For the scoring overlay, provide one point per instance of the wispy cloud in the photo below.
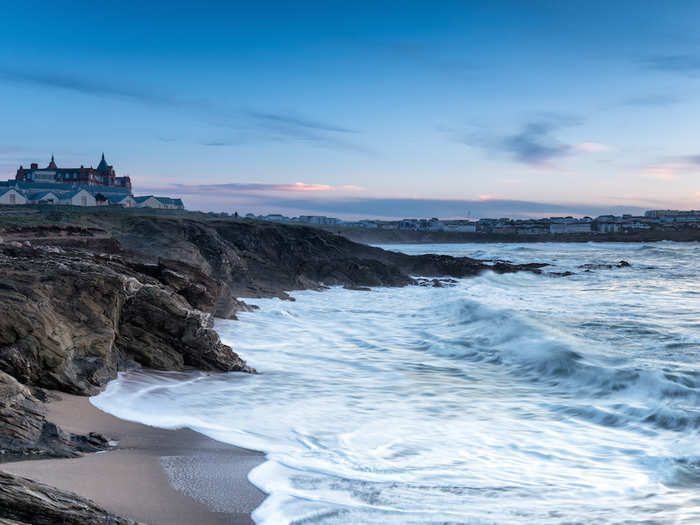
(652, 100)
(279, 120)
(235, 187)
(534, 143)
(402, 207)
(670, 168)
(245, 125)
(685, 64)
(590, 147)
(666, 171)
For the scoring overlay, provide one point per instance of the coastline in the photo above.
(130, 480)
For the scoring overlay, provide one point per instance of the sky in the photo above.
(364, 109)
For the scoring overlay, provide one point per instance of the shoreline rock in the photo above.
(26, 434)
(23, 501)
(70, 319)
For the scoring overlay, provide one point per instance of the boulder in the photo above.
(25, 501)
(25, 432)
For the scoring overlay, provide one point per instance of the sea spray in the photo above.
(504, 399)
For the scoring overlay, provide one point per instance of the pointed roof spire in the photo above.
(102, 166)
(52, 164)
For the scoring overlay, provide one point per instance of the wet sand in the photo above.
(131, 480)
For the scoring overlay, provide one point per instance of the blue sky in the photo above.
(364, 109)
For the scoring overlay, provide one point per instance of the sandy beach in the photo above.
(131, 479)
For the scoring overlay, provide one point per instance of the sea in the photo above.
(502, 399)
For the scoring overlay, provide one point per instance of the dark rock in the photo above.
(70, 320)
(182, 337)
(25, 432)
(561, 274)
(264, 259)
(27, 502)
(594, 266)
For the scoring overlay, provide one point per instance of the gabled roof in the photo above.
(143, 198)
(41, 195)
(3, 191)
(164, 200)
(168, 200)
(71, 194)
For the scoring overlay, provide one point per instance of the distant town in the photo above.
(651, 220)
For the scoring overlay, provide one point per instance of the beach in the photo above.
(131, 479)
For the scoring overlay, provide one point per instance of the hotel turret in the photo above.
(103, 175)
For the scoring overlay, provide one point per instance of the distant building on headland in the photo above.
(103, 175)
(77, 187)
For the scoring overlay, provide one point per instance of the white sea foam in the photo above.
(512, 399)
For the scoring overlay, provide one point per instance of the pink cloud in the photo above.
(242, 187)
(302, 186)
(666, 171)
(590, 147)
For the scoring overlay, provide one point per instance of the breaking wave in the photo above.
(512, 399)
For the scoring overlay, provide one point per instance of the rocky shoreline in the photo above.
(79, 303)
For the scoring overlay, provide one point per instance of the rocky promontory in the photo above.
(71, 318)
(264, 259)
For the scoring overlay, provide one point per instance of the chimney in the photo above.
(35, 166)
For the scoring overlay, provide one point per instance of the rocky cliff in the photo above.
(71, 318)
(262, 259)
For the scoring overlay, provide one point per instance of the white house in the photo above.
(44, 197)
(461, 227)
(125, 201)
(79, 197)
(148, 201)
(163, 203)
(169, 203)
(276, 217)
(11, 196)
(570, 227)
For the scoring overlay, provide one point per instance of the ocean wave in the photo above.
(535, 353)
(504, 399)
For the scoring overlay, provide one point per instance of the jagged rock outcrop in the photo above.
(23, 501)
(25, 432)
(70, 318)
(264, 259)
